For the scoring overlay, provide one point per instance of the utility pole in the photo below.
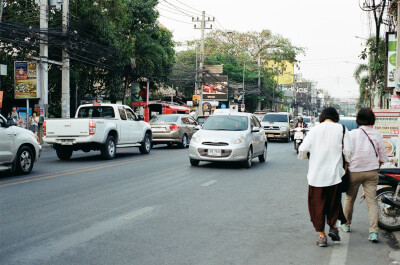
(1, 9)
(44, 54)
(397, 51)
(244, 71)
(201, 76)
(65, 89)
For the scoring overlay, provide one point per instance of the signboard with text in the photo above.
(391, 62)
(25, 76)
(387, 123)
(215, 87)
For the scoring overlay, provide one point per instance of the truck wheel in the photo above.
(109, 149)
(64, 153)
(24, 160)
(146, 145)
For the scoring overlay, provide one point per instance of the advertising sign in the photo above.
(286, 71)
(139, 95)
(215, 87)
(391, 64)
(388, 125)
(25, 80)
(1, 99)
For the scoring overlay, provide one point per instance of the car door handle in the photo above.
(11, 134)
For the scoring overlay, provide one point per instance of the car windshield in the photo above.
(276, 117)
(96, 112)
(164, 119)
(201, 120)
(226, 123)
(307, 119)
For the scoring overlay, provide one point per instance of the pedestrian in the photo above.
(14, 116)
(33, 123)
(325, 171)
(369, 154)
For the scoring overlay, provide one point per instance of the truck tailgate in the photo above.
(67, 127)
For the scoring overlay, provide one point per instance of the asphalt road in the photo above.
(157, 209)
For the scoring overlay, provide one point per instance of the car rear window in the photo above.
(164, 118)
(349, 124)
(307, 120)
(276, 117)
(226, 123)
(96, 112)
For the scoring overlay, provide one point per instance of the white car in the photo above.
(19, 148)
(103, 127)
(235, 136)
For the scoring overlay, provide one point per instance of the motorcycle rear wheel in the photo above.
(388, 216)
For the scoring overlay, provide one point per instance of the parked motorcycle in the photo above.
(388, 198)
(299, 134)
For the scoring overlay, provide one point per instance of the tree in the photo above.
(110, 43)
(233, 50)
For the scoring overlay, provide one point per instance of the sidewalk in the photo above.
(394, 254)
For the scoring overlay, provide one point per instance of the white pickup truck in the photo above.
(103, 127)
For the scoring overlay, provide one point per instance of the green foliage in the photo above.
(372, 74)
(233, 50)
(110, 43)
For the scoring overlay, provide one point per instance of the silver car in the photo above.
(19, 148)
(232, 136)
(173, 129)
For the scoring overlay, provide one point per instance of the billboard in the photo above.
(286, 71)
(25, 80)
(215, 87)
(139, 95)
(387, 123)
(391, 62)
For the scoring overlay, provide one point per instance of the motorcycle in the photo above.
(299, 134)
(388, 198)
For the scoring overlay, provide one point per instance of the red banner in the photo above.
(1, 99)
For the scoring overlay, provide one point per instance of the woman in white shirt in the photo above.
(325, 171)
(369, 153)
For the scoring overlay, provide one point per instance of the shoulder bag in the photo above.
(346, 176)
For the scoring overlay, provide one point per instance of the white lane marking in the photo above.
(54, 247)
(339, 252)
(208, 183)
(137, 213)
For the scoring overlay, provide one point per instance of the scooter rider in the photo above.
(300, 124)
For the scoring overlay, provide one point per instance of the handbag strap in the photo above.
(370, 141)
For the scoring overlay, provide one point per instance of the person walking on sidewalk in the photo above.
(369, 154)
(325, 171)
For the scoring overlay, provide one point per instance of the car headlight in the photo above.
(195, 139)
(240, 139)
(283, 128)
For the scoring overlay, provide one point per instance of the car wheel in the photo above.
(146, 145)
(109, 149)
(263, 156)
(64, 153)
(24, 160)
(249, 160)
(194, 163)
(184, 142)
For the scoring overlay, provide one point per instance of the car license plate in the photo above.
(298, 135)
(158, 129)
(66, 142)
(271, 135)
(214, 152)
